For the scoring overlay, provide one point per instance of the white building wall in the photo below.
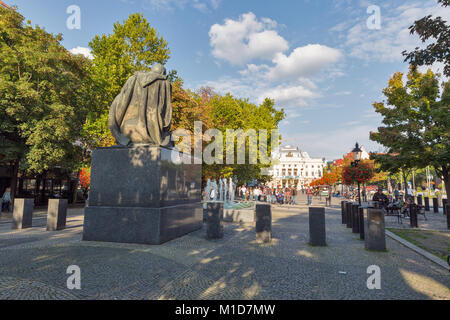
(295, 168)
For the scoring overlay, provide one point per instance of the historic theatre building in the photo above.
(295, 168)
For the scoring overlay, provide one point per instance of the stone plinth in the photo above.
(23, 213)
(140, 195)
(317, 233)
(448, 215)
(374, 233)
(362, 212)
(214, 217)
(427, 204)
(355, 217)
(435, 205)
(413, 215)
(343, 212)
(56, 214)
(263, 217)
(348, 214)
(419, 200)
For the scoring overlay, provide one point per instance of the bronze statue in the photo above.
(142, 112)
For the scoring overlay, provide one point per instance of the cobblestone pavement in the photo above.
(34, 262)
(434, 221)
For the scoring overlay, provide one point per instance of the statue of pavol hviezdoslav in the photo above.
(142, 112)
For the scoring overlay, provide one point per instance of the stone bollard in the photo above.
(435, 205)
(56, 214)
(349, 214)
(419, 199)
(355, 217)
(343, 212)
(374, 233)
(317, 233)
(444, 203)
(214, 217)
(447, 208)
(427, 204)
(23, 213)
(361, 222)
(263, 222)
(413, 215)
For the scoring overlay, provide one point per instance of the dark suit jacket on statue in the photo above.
(142, 112)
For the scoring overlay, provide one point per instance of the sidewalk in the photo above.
(34, 264)
(40, 213)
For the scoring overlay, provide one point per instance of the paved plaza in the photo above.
(34, 262)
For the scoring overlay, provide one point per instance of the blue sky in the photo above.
(319, 60)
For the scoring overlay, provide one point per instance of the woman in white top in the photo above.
(6, 199)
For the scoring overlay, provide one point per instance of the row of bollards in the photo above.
(263, 223)
(56, 214)
(367, 222)
(214, 221)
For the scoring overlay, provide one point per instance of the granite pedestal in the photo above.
(419, 200)
(448, 216)
(348, 206)
(23, 213)
(435, 205)
(317, 232)
(427, 204)
(56, 214)
(263, 217)
(343, 212)
(413, 215)
(362, 212)
(140, 195)
(355, 218)
(374, 233)
(214, 218)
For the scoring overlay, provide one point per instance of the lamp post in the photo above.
(357, 152)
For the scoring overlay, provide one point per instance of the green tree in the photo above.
(132, 46)
(41, 98)
(416, 122)
(431, 28)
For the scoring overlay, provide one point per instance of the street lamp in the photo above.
(357, 152)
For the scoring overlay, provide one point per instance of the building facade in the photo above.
(295, 168)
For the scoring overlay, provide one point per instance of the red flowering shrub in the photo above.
(362, 173)
(85, 178)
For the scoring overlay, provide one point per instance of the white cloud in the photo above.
(388, 43)
(82, 50)
(289, 95)
(286, 78)
(303, 61)
(240, 41)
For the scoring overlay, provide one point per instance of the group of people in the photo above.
(267, 194)
(6, 200)
(274, 195)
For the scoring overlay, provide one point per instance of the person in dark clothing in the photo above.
(381, 198)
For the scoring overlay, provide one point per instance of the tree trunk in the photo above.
(405, 181)
(445, 175)
(15, 176)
